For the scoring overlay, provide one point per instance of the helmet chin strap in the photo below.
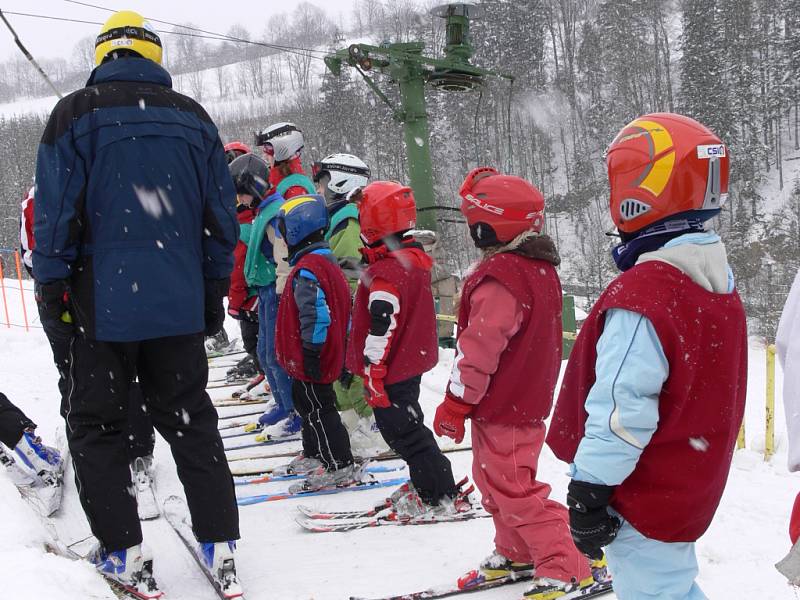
(686, 223)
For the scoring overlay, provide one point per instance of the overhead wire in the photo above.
(221, 36)
(69, 20)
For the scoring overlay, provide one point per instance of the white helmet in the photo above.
(346, 172)
(283, 141)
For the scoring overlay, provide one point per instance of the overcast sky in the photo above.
(49, 39)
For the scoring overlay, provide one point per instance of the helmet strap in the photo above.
(655, 236)
(311, 242)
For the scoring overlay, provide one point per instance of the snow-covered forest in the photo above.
(583, 69)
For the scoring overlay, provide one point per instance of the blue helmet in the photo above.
(301, 217)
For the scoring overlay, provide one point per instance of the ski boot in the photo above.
(218, 559)
(142, 471)
(244, 369)
(255, 386)
(599, 567)
(547, 588)
(289, 426)
(366, 439)
(273, 416)
(321, 478)
(129, 569)
(45, 467)
(497, 566)
(407, 504)
(299, 465)
(19, 476)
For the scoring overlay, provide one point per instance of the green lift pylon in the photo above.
(406, 65)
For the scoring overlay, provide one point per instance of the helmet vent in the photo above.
(630, 208)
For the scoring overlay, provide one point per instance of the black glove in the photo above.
(346, 379)
(311, 366)
(215, 291)
(589, 522)
(54, 311)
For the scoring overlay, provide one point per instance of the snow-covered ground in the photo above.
(278, 560)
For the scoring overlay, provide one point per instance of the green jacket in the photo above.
(259, 269)
(346, 242)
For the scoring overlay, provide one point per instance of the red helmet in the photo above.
(665, 164)
(500, 207)
(384, 208)
(234, 150)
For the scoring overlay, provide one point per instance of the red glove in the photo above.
(450, 417)
(375, 394)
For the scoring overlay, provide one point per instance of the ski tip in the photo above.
(310, 526)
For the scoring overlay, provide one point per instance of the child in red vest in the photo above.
(509, 333)
(654, 392)
(393, 342)
(313, 316)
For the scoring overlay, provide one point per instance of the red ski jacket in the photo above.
(240, 297)
(409, 346)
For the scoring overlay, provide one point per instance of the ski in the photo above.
(241, 434)
(238, 416)
(227, 379)
(388, 518)
(356, 487)
(314, 514)
(268, 442)
(231, 401)
(474, 581)
(268, 477)
(177, 515)
(121, 591)
(383, 510)
(214, 354)
(379, 457)
(224, 383)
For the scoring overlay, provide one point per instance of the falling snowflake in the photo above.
(700, 444)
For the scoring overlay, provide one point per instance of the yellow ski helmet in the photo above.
(127, 30)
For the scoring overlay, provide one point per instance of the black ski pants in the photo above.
(250, 340)
(403, 428)
(141, 435)
(172, 373)
(12, 422)
(324, 435)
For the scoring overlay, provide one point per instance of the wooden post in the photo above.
(569, 325)
(769, 443)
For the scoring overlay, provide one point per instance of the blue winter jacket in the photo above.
(135, 206)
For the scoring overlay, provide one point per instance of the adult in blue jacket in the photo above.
(135, 227)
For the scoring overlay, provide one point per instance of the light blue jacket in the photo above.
(623, 403)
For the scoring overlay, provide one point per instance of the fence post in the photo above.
(568, 325)
(21, 290)
(3, 288)
(740, 443)
(769, 443)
